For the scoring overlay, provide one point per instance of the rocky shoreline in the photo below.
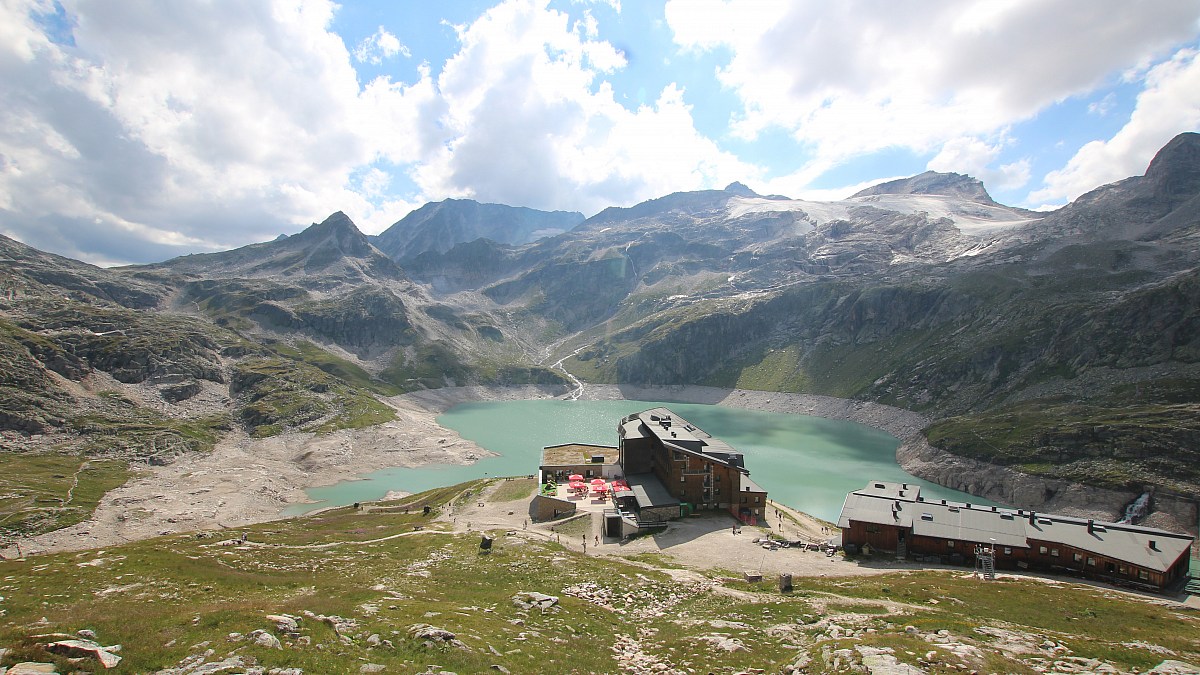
(244, 480)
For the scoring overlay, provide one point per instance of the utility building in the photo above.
(894, 517)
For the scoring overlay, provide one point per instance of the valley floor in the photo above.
(246, 480)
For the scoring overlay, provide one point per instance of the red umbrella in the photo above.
(576, 485)
(597, 481)
(575, 476)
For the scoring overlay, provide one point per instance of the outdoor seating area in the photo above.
(595, 491)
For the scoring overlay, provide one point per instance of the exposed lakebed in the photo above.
(808, 463)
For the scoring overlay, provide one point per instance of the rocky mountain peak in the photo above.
(1175, 170)
(740, 190)
(338, 231)
(933, 183)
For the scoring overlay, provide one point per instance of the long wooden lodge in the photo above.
(894, 517)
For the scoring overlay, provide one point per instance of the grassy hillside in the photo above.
(363, 586)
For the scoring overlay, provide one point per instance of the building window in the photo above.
(1122, 570)
(718, 478)
(1007, 550)
(1092, 562)
(1143, 574)
(717, 491)
(949, 543)
(682, 479)
(1054, 552)
(756, 500)
(1078, 557)
(1043, 550)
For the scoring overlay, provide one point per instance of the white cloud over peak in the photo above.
(854, 77)
(974, 157)
(1169, 104)
(164, 128)
(528, 119)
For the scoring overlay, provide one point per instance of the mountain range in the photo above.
(1063, 344)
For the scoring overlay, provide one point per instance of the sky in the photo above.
(139, 130)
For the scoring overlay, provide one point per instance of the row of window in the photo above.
(1091, 562)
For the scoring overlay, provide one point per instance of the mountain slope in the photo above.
(922, 293)
(439, 226)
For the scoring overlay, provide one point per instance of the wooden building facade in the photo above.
(694, 467)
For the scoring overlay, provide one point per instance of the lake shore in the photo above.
(245, 480)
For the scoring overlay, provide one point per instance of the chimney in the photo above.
(1153, 545)
(968, 505)
(994, 509)
(1032, 517)
(1091, 526)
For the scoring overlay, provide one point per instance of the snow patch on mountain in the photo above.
(972, 219)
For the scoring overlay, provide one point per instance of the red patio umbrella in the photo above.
(577, 485)
(597, 481)
(574, 477)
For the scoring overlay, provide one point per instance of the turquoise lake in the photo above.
(808, 463)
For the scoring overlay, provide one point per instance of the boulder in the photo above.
(84, 648)
(264, 639)
(533, 599)
(433, 635)
(1168, 667)
(33, 668)
(284, 623)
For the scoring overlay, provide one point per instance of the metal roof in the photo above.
(872, 509)
(747, 484)
(648, 490)
(678, 434)
(881, 503)
(976, 524)
(1112, 540)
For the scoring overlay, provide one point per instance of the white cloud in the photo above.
(1169, 104)
(974, 157)
(614, 4)
(1104, 105)
(528, 119)
(382, 45)
(854, 77)
(167, 128)
(175, 127)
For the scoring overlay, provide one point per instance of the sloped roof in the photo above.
(868, 508)
(1113, 540)
(679, 434)
(882, 503)
(975, 524)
